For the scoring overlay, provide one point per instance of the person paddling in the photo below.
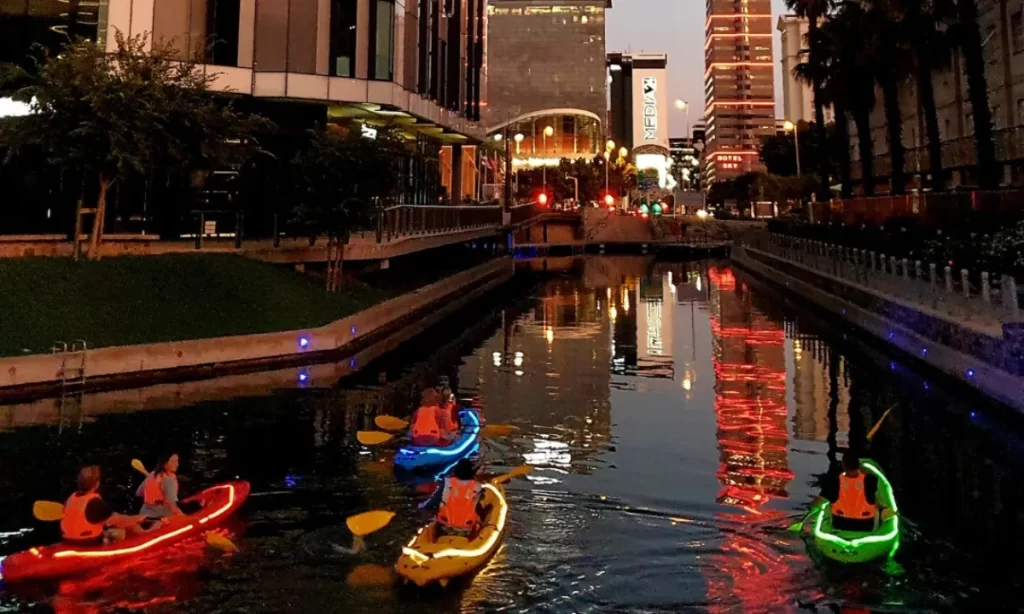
(426, 430)
(851, 493)
(88, 520)
(457, 500)
(448, 416)
(159, 491)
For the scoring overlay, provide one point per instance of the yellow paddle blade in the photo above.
(368, 522)
(878, 425)
(499, 430)
(373, 438)
(220, 542)
(47, 511)
(518, 471)
(138, 466)
(390, 423)
(370, 575)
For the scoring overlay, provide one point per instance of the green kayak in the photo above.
(855, 546)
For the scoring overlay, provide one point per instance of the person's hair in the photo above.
(161, 461)
(429, 398)
(446, 394)
(464, 470)
(88, 478)
(851, 461)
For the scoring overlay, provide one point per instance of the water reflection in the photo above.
(679, 415)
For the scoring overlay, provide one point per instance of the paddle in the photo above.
(214, 540)
(390, 423)
(47, 511)
(499, 430)
(373, 438)
(362, 525)
(508, 477)
(796, 527)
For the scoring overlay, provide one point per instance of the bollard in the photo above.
(1009, 291)
(883, 261)
(965, 281)
(873, 267)
(984, 287)
(917, 270)
(931, 273)
(906, 270)
(949, 279)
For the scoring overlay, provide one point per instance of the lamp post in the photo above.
(796, 140)
(548, 131)
(518, 139)
(607, 160)
(576, 189)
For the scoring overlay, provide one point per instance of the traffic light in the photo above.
(644, 209)
(609, 201)
(657, 208)
(543, 199)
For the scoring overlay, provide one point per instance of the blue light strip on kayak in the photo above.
(468, 439)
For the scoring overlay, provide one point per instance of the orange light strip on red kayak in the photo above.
(152, 542)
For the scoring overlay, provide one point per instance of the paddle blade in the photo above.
(878, 425)
(373, 438)
(368, 522)
(796, 527)
(220, 542)
(138, 466)
(518, 471)
(370, 575)
(499, 430)
(47, 511)
(390, 423)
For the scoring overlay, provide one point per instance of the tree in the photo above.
(968, 35)
(338, 181)
(891, 66)
(778, 152)
(815, 11)
(110, 115)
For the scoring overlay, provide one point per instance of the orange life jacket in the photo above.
(446, 418)
(74, 524)
(853, 502)
(458, 504)
(152, 491)
(425, 423)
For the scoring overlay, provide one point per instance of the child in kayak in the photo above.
(159, 491)
(852, 495)
(457, 500)
(426, 429)
(88, 520)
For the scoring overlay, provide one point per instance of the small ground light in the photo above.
(974, 414)
(353, 329)
(891, 335)
(924, 351)
(303, 376)
(970, 373)
(303, 342)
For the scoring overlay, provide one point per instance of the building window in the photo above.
(222, 17)
(343, 38)
(383, 40)
(1017, 29)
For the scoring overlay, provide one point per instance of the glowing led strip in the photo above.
(152, 542)
(867, 539)
(499, 527)
(468, 440)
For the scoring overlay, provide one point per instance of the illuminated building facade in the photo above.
(638, 112)
(545, 73)
(738, 85)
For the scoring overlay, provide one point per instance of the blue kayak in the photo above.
(417, 458)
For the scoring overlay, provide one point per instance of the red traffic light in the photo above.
(609, 200)
(543, 198)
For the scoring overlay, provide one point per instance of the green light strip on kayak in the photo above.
(867, 539)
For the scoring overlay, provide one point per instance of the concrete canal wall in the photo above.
(42, 373)
(980, 351)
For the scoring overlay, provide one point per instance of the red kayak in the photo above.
(63, 560)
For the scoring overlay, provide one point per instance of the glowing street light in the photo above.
(610, 144)
(497, 137)
(789, 126)
(623, 152)
(548, 131)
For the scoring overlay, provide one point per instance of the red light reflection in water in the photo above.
(750, 405)
(162, 576)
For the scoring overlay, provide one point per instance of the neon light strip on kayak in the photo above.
(153, 542)
(466, 552)
(468, 439)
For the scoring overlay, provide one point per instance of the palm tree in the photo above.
(931, 46)
(892, 66)
(815, 11)
(969, 37)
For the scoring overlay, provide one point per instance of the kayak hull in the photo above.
(855, 546)
(427, 559)
(63, 560)
(440, 458)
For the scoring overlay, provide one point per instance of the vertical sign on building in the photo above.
(650, 105)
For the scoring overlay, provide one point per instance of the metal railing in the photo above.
(411, 220)
(989, 302)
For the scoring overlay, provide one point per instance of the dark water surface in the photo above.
(679, 416)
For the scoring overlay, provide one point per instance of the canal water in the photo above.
(679, 416)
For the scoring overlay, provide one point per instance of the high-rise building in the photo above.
(638, 112)
(546, 70)
(797, 95)
(739, 86)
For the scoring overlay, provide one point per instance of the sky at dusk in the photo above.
(675, 27)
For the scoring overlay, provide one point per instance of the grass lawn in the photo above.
(128, 300)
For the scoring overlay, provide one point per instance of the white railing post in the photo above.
(965, 281)
(1009, 291)
(906, 270)
(984, 287)
(949, 279)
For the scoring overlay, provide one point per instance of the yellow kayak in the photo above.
(427, 558)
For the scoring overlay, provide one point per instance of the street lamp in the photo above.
(548, 131)
(610, 144)
(682, 105)
(790, 126)
(576, 188)
(623, 152)
(518, 138)
(607, 158)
